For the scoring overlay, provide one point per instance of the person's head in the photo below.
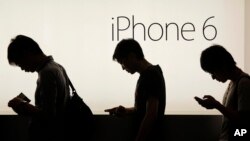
(22, 51)
(128, 52)
(217, 61)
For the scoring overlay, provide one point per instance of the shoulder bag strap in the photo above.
(70, 83)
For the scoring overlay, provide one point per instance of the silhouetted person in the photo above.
(51, 93)
(235, 107)
(150, 95)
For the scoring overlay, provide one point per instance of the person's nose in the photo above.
(212, 76)
(123, 68)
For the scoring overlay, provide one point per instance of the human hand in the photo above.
(117, 111)
(208, 102)
(15, 102)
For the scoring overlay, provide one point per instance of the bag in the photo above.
(79, 118)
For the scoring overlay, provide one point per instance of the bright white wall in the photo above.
(78, 33)
(247, 36)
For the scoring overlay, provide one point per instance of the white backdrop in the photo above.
(81, 35)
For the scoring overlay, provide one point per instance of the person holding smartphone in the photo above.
(52, 91)
(150, 93)
(235, 108)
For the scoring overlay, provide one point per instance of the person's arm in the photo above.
(243, 89)
(210, 103)
(48, 92)
(120, 111)
(130, 110)
(243, 100)
(148, 120)
(23, 108)
(229, 113)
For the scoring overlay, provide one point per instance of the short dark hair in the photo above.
(126, 46)
(20, 46)
(215, 57)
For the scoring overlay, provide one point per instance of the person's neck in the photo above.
(235, 74)
(40, 59)
(143, 65)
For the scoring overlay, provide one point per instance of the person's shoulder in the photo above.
(153, 71)
(153, 68)
(245, 77)
(51, 67)
(244, 80)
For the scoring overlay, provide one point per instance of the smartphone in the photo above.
(199, 100)
(23, 97)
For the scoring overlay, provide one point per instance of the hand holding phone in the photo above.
(116, 111)
(208, 102)
(199, 100)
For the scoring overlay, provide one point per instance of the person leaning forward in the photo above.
(235, 107)
(150, 93)
(51, 93)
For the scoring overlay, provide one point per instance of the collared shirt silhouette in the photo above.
(52, 91)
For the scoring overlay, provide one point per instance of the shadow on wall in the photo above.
(108, 128)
